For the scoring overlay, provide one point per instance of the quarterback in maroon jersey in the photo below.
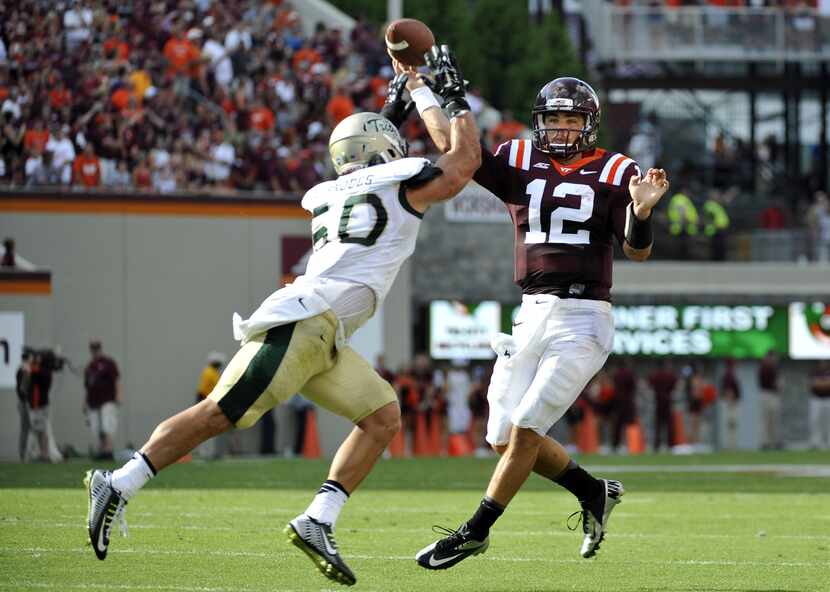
(568, 201)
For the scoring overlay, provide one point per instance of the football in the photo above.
(407, 40)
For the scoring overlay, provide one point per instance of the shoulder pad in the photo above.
(397, 170)
(616, 167)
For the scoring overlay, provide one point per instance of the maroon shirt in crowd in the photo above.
(768, 375)
(100, 379)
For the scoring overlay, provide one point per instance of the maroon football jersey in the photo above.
(565, 216)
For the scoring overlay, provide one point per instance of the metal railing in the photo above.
(706, 33)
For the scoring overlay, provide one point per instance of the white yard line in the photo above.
(271, 556)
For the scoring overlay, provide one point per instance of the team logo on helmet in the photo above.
(364, 139)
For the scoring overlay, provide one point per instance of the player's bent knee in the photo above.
(384, 423)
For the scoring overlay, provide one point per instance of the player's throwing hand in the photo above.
(647, 190)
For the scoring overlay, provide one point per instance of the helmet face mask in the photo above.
(365, 139)
(568, 95)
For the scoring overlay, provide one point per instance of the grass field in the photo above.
(685, 524)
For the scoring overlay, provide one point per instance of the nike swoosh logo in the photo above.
(301, 303)
(517, 324)
(438, 562)
(587, 172)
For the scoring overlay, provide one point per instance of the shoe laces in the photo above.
(581, 517)
(452, 538)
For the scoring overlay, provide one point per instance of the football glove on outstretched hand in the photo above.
(448, 83)
(396, 109)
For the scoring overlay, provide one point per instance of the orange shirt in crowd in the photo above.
(378, 86)
(116, 48)
(262, 119)
(182, 55)
(35, 139)
(87, 171)
(120, 98)
(305, 56)
(339, 107)
(60, 98)
(141, 82)
(506, 130)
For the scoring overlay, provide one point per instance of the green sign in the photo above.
(700, 330)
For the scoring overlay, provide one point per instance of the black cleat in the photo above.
(595, 516)
(457, 546)
(105, 507)
(316, 540)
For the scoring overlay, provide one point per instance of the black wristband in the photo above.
(638, 233)
(456, 106)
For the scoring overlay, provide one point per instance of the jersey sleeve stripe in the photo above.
(514, 148)
(620, 169)
(526, 150)
(520, 154)
(606, 170)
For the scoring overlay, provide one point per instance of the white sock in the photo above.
(133, 475)
(327, 503)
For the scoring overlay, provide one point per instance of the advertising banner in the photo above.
(11, 347)
(462, 331)
(809, 331)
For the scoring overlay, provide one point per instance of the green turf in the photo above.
(216, 527)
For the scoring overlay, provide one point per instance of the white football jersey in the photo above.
(361, 227)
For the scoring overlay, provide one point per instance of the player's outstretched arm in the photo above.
(645, 192)
(457, 166)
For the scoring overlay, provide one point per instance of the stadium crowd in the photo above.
(168, 96)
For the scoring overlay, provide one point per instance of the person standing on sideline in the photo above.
(731, 396)
(568, 200)
(208, 380)
(663, 381)
(301, 407)
(364, 226)
(624, 403)
(23, 386)
(820, 406)
(770, 401)
(103, 396)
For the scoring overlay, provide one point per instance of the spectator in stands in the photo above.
(818, 227)
(86, 170)
(716, 224)
(731, 396)
(683, 221)
(43, 172)
(339, 107)
(103, 396)
(506, 130)
(663, 381)
(773, 217)
(820, 406)
(770, 398)
(63, 152)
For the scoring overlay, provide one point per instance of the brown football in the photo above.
(407, 40)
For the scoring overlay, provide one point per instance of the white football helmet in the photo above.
(365, 139)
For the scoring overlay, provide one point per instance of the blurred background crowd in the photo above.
(210, 97)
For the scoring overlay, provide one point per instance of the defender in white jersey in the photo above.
(364, 225)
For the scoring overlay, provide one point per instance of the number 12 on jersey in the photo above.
(556, 234)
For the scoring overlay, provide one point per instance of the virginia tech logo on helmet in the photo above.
(560, 103)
